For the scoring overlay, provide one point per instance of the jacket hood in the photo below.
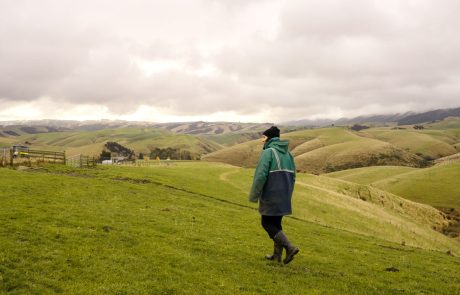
(278, 144)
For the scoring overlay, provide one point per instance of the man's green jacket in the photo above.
(274, 179)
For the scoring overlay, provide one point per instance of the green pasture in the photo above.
(138, 139)
(324, 150)
(437, 186)
(448, 123)
(368, 175)
(417, 142)
(187, 228)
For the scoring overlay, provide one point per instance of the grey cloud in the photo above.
(325, 56)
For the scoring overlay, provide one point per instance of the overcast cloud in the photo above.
(226, 60)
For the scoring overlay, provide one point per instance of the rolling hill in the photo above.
(141, 140)
(408, 118)
(422, 143)
(85, 137)
(324, 150)
(368, 175)
(436, 186)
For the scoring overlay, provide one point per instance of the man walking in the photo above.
(273, 186)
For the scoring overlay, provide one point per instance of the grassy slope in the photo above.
(323, 150)
(367, 175)
(6, 142)
(92, 234)
(424, 143)
(448, 123)
(138, 139)
(437, 186)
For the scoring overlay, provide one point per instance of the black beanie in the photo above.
(272, 132)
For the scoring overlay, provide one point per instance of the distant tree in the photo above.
(358, 127)
(171, 153)
(105, 155)
(419, 127)
(141, 156)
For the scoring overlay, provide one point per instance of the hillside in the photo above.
(448, 123)
(436, 186)
(141, 140)
(155, 230)
(427, 144)
(368, 175)
(211, 135)
(323, 150)
(430, 116)
(408, 118)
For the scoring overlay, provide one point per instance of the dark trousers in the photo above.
(272, 225)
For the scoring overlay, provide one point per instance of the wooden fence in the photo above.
(81, 161)
(30, 157)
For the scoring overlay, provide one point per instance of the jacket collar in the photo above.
(267, 143)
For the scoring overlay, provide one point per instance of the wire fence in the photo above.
(81, 161)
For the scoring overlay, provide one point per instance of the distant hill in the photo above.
(324, 150)
(213, 128)
(222, 133)
(429, 116)
(331, 149)
(408, 118)
(140, 140)
(193, 128)
(372, 119)
(67, 125)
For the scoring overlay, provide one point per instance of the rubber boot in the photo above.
(277, 253)
(291, 250)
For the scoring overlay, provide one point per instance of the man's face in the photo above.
(264, 138)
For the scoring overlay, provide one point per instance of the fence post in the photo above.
(11, 157)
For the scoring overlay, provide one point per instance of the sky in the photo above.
(234, 60)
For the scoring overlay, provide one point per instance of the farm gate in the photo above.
(29, 157)
(81, 161)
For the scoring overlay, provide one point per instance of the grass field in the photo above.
(187, 228)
